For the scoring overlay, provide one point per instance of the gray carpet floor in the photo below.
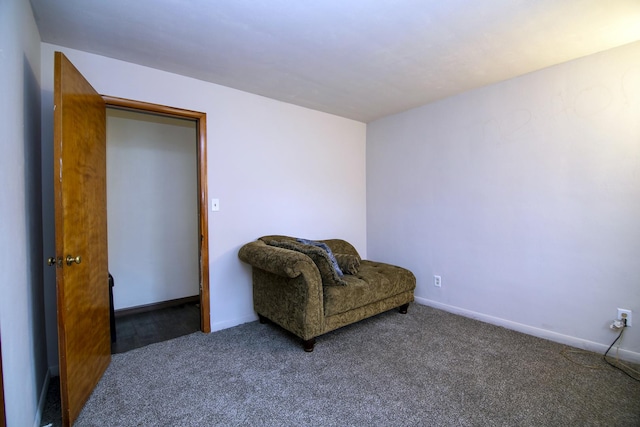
(425, 368)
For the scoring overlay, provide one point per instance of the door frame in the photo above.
(201, 135)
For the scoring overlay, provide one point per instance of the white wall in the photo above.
(524, 196)
(152, 207)
(21, 264)
(276, 168)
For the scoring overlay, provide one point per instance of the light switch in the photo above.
(215, 205)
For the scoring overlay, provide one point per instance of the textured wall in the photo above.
(276, 168)
(21, 259)
(524, 196)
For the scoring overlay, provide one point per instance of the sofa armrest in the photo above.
(287, 288)
(279, 261)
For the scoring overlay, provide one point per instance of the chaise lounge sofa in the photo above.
(298, 286)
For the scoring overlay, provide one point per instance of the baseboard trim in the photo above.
(627, 355)
(43, 400)
(156, 306)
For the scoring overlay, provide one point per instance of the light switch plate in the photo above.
(215, 205)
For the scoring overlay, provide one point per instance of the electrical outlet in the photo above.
(624, 314)
(437, 281)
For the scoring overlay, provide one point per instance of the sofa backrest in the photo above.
(338, 246)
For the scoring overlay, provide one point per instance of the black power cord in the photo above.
(604, 357)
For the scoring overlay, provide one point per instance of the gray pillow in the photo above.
(319, 256)
(327, 249)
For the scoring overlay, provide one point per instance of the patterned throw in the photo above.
(319, 256)
(327, 249)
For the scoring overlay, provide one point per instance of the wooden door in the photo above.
(82, 280)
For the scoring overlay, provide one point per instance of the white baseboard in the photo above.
(630, 356)
(43, 400)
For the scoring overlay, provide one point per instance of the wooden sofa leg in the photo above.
(308, 345)
(403, 308)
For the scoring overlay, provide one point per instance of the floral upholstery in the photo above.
(288, 288)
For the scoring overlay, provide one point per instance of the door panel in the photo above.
(81, 231)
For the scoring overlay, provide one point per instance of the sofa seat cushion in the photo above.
(374, 281)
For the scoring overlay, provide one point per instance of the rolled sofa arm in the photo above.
(283, 262)
(287, 288)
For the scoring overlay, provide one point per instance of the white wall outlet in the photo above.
(215, 205)
(623, 313)
(437, 281)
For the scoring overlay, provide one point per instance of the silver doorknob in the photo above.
(51, 261)
(71, 260)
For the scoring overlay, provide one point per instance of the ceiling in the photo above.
(360, 59)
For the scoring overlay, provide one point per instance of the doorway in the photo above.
(167, 261)
(82, 296)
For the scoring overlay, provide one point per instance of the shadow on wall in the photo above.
(33, 209)
(48, 229)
